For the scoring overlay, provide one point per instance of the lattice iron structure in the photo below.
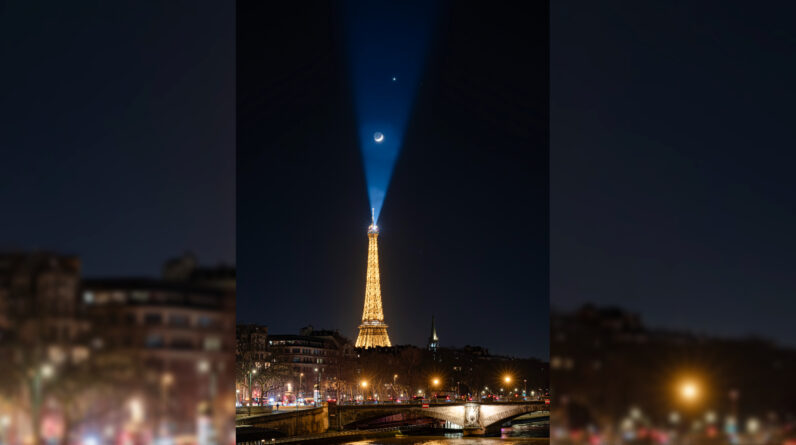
(373, 330)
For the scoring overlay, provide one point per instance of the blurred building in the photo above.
(116, 356)
(179, 327)
(42, 329)
(38, 301)
(609, 369)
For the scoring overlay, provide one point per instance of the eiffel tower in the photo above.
(373, 331)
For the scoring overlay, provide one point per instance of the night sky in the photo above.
(117, 132)
(464, 227)
(672, 184)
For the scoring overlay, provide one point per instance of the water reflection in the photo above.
(453, 441)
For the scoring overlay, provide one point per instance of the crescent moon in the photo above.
(378, 137)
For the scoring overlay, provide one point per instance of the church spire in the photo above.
(433, 340)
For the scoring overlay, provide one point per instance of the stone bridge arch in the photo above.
(471, 415)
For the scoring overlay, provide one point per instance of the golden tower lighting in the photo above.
(373, 330)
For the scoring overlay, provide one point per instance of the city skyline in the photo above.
(464, 225)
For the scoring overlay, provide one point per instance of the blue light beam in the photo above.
(387, 42)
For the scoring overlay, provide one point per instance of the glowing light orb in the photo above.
(689, 391)
(378, 136)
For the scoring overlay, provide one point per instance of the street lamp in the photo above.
(394, 378)
(689, 391)
(363, 384)
(45, 372)
(318, 376)
(298, 391)
(435, 383)
(251, 389)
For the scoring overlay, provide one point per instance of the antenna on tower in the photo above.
(373, 215)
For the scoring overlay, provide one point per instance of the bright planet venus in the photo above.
(378, 136)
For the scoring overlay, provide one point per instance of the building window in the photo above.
(139, 296)
(212, 344)
(206, 321)
(182, 343)
(179, 320)
(154, 341)
(153, 319)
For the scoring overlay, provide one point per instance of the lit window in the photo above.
(212, 344)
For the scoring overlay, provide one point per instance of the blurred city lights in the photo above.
(689, 391)
(47, 370)
(203, 366)
(752, 425)
(136, 410)
(710, 417)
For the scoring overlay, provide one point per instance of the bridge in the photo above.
(472, 417)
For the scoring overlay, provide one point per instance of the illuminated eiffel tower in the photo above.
(373, 331)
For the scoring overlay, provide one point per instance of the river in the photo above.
(519, 433)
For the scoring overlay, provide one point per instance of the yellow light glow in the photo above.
(507, 379)
(436, 382)
(167, 379)
(364, 384)
(689, 391)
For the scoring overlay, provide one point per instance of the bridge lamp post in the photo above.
(364, 385)
(395, 392)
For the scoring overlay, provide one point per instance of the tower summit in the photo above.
(373, 330)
